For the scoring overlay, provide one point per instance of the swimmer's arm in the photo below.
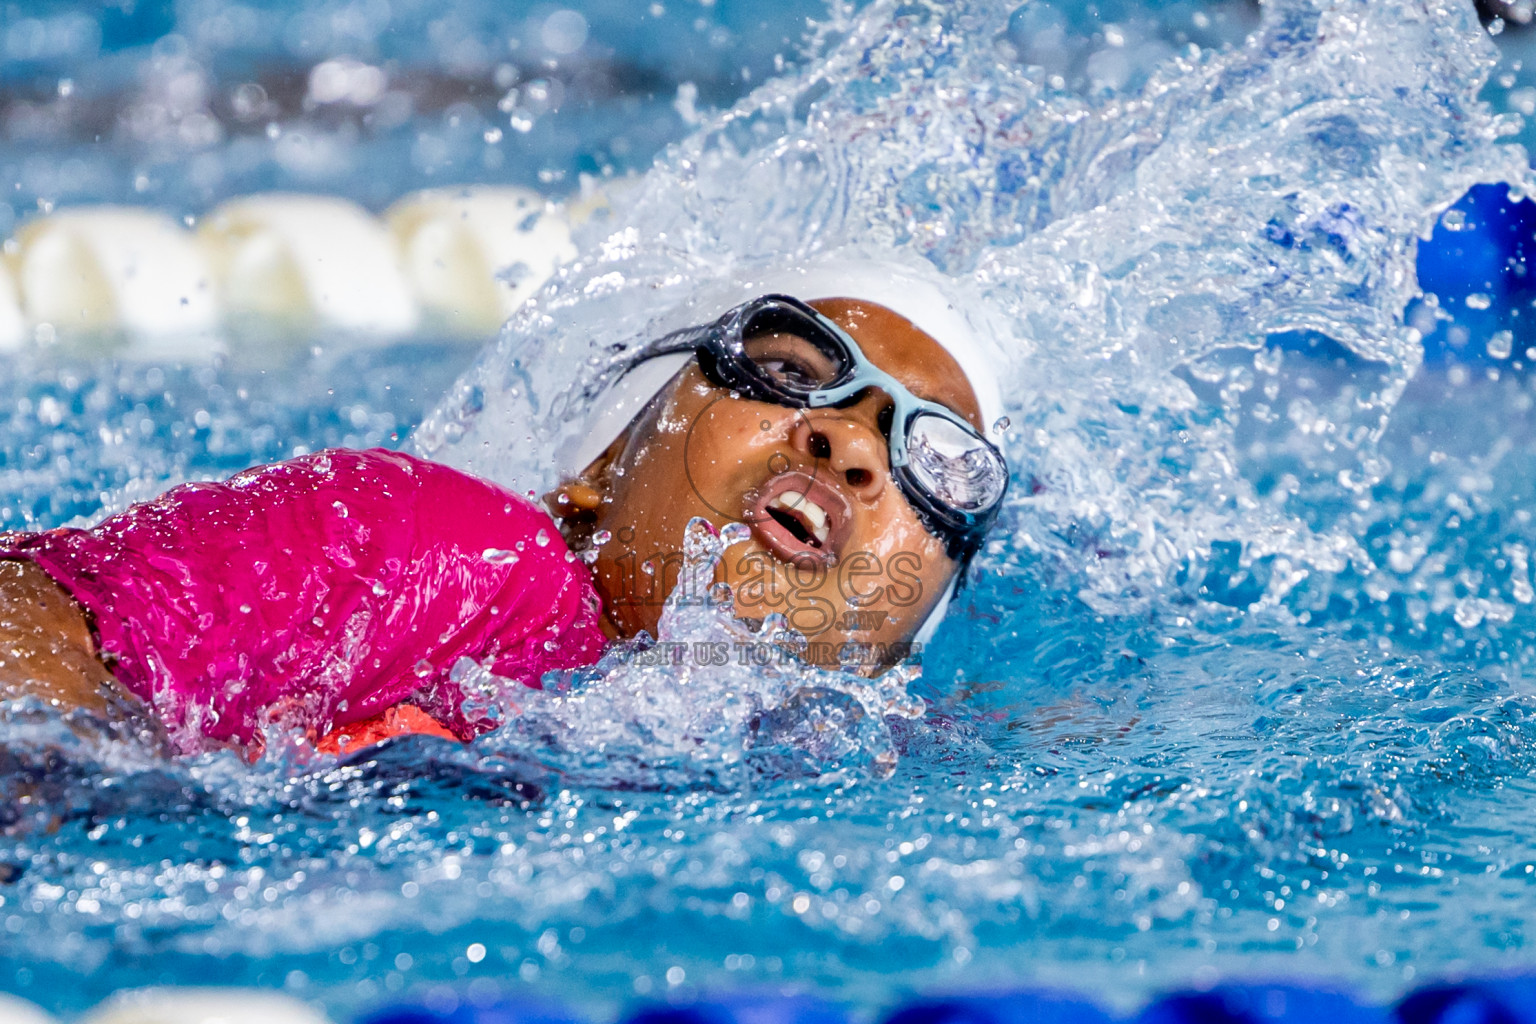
(46, 647)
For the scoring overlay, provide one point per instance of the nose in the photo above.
(850, 449)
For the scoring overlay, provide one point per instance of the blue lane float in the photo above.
(504, 1011)
(1476, 265)
(1479, 283)
(1507, 1000)
(1262, 1004)
(1499, 1001)
(1021, 1007)
(743, 1009)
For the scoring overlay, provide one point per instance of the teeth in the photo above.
(815, 515)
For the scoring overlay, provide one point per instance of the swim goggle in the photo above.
(779, 350)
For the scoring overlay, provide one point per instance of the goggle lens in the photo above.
(793, 353)
(953, 465)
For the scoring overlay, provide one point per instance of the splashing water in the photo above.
(1138, 246)
(709, 694)
(1239, 687)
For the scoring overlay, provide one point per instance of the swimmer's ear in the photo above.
(577, 501)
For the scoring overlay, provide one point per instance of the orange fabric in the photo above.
(400, 720)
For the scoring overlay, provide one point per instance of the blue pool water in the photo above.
(1241, 687)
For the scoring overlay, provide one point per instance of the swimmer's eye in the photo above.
(789, 372)
(887, 417)
(792, 361)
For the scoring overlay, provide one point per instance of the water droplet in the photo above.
(499, 556)
(1002, 424)
(601, 537)
(423, 669)
(378, 588)
(1468, 613)
(1478, 300)
(541, 539)
(1454, 220)
(1501, 344)
(341, 509)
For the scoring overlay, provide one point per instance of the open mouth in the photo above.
(798, 517)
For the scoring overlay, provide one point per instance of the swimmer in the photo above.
(841, 414)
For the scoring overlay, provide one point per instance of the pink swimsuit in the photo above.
(323, 592)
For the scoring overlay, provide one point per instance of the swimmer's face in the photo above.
(835, 546)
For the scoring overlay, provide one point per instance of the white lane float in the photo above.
(14, 1010)
(115, 277)
(203, 1006)
(13, 323)
(296, 266)
(264, 276)
(474, 255)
